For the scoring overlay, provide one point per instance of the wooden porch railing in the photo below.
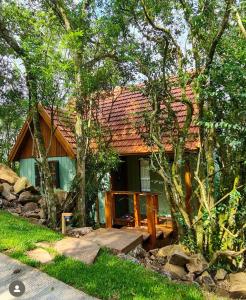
(152, 207)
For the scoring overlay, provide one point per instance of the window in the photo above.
(54, 169)
(144, 175)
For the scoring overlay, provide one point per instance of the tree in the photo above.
(178, 45)
(28, 35)
(91, 39)
(13, 107)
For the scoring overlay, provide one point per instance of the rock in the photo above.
(41, 214)
(31, 215)
(40, 255)
(81, 249)
(30, 188)
(222, 288)
(154, 251)
(20, 184)
(77, 232)
(6, 192)
(189, 277)
(176, 272)
(197, 264)
(128, 257)
(30, 206)
(206, 281)
(237, 285)
(220, 274)
(26, 197)
(179, 258)
(17, 210)
(138, 252)
(8, 175)
(42, 221)
(170, 250)
(6, 203)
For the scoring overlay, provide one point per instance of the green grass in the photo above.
(108, 278)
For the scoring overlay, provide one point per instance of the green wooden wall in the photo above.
(67, 170)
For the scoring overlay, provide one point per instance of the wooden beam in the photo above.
(137, 215)
(151, 220)
(108, 210)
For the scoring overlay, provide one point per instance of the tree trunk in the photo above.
(46, 178)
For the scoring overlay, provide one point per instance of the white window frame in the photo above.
(144, 175)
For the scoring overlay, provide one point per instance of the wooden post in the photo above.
(137, 215)
(151, 220)
(108, 210)
(156, 207)
(63, 221)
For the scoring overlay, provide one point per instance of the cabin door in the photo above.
(119, 183)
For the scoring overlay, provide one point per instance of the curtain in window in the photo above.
(144, 175)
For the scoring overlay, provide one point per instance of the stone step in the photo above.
(117, 240)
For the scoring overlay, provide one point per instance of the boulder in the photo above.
(31, 215)
(42, 214)
(237, 285)
(77, 232)
(20, 184)
(197, 264)
(6, 203)
(30, 206)
(220, 274)
(206, 281)
(138, 252)
(176, 272)
(169, 250)
(8, 175)
(189, 277)
(179, 258)
(6, 192)
(26, 197)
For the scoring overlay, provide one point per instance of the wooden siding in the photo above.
(27, 150)
(67, 170)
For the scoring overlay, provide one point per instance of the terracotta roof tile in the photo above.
(120, 113)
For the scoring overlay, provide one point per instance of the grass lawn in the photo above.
(108, 278)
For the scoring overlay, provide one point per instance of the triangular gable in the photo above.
(26, 130)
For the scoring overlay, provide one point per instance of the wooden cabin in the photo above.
(120, 113)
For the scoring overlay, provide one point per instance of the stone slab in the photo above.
(117, 240)
(83, 250)
(38, 284)
(40, 255)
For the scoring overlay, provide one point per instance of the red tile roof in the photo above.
(120, 113)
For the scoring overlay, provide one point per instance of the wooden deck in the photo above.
(152, 228)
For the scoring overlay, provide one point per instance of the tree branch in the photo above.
(10, 40)
(218, 35)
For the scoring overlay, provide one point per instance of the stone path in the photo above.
(78, 248)
(38, 284)
(117, 240)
